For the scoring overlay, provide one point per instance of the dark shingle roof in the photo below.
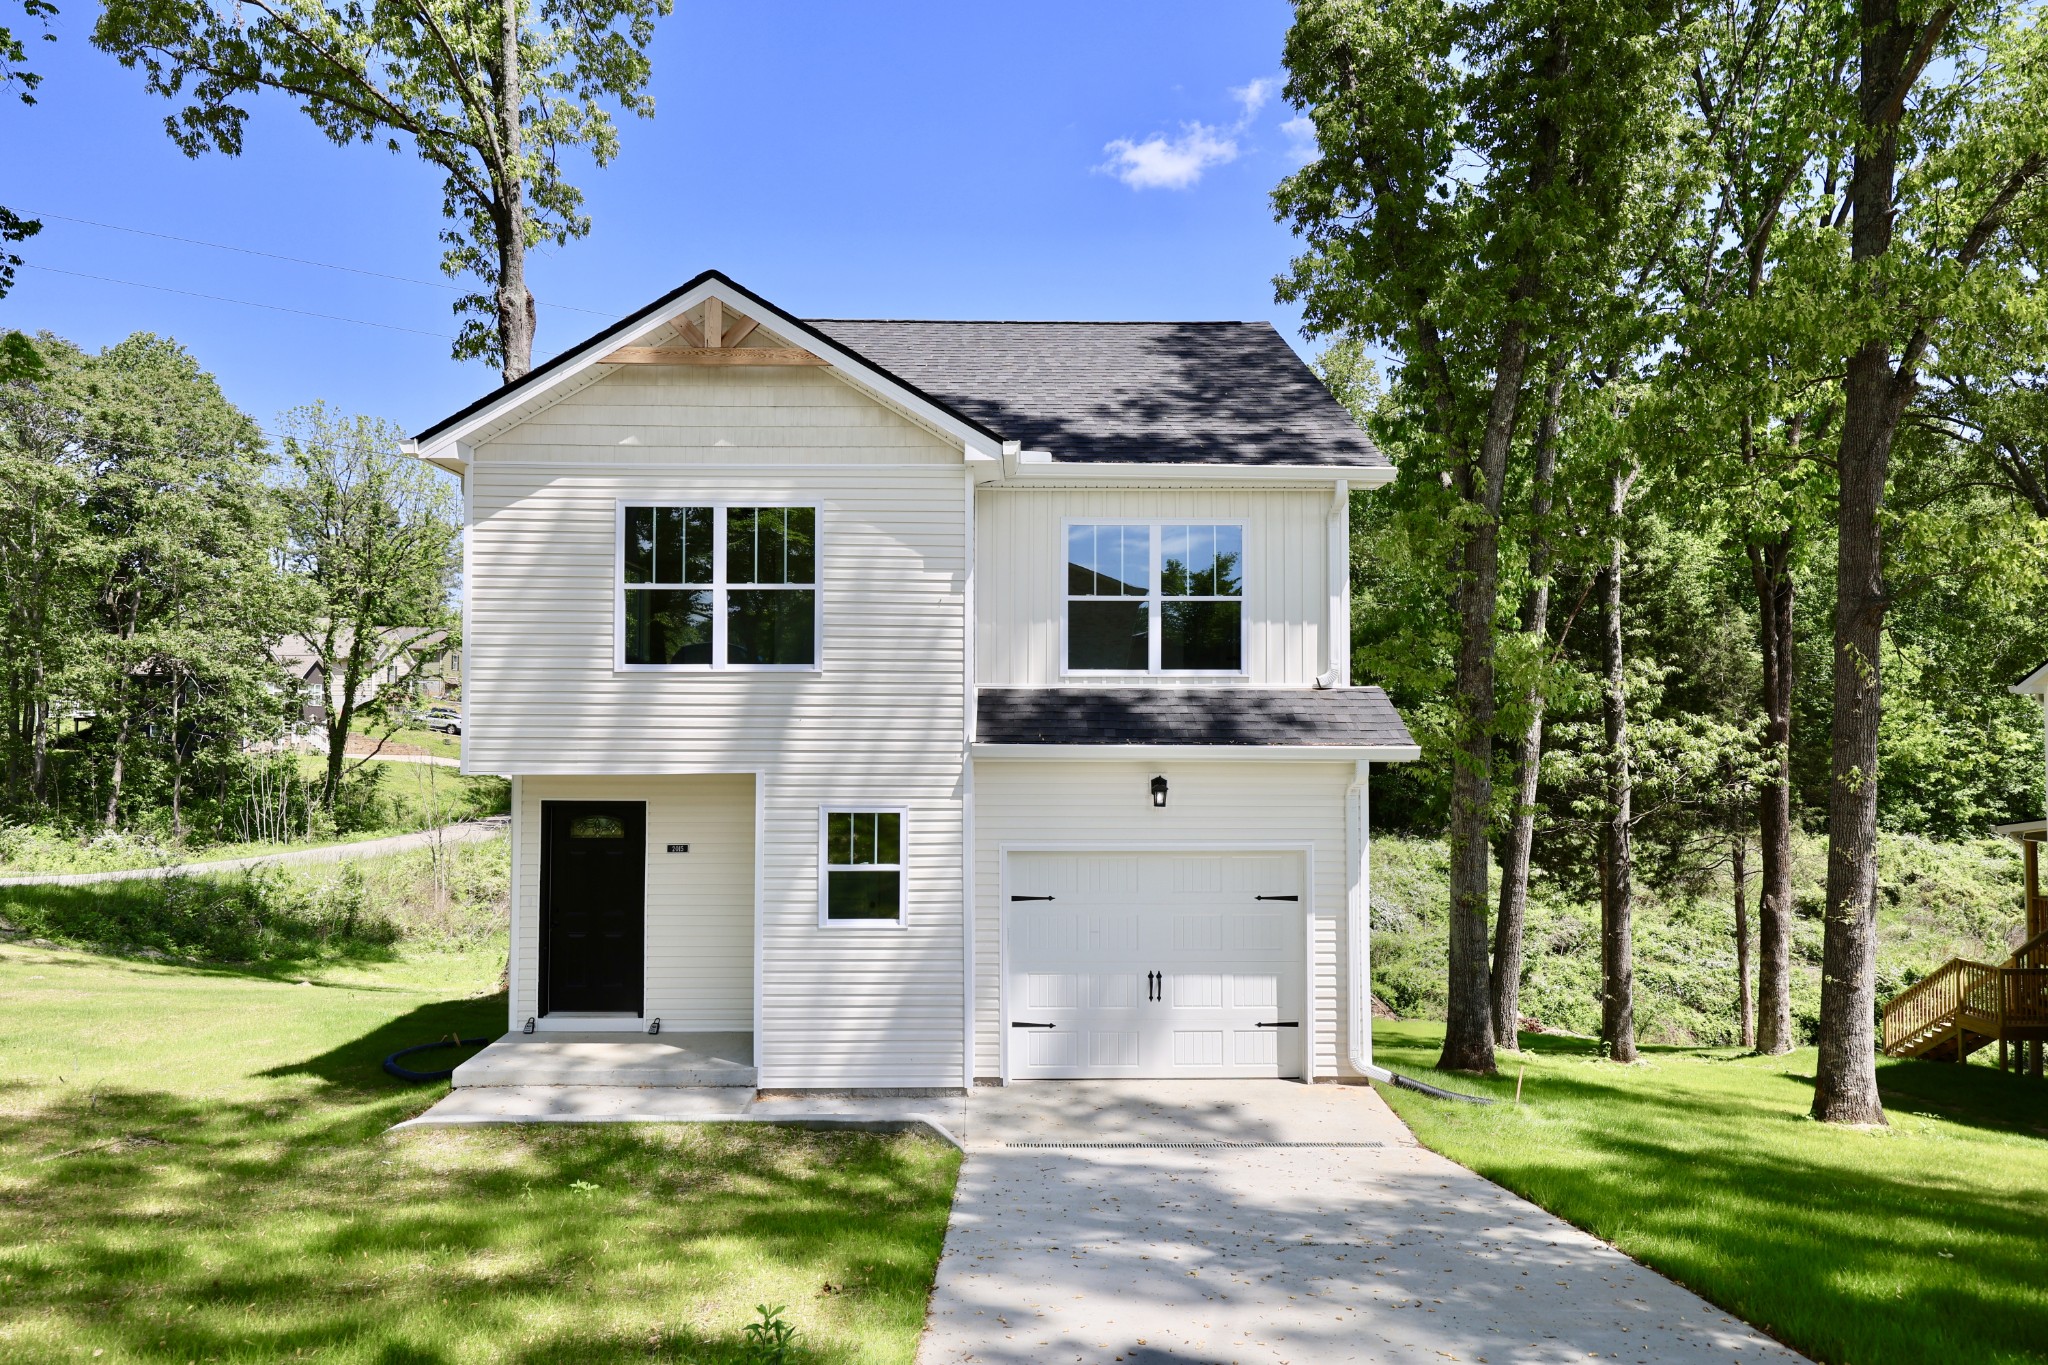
(1137, 392)
(1348, 716)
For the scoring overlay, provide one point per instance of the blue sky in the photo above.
(1047, 160)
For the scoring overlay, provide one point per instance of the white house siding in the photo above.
(700, 904)
(1020, 590)
(1210, 805)
(880, 724)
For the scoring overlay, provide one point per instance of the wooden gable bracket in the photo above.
(722, 348)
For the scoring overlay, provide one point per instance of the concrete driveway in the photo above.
(1110, 1221)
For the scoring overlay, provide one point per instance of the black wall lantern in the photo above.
(1159, 791)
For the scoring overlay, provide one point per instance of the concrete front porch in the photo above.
(666, 1060)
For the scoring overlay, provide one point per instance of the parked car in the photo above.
(446, 719)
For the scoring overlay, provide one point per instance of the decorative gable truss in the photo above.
(714, 337)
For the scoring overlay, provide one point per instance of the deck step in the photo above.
(693, 1060)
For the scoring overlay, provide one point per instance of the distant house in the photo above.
(426, 664)
(927, 702)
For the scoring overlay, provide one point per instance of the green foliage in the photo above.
(444, 898)
(770, 1338)
(434, 75)
(1936, 901)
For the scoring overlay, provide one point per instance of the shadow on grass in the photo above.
(355, 1069)
(164, 1228)
(1878, 1246)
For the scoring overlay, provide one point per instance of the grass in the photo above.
(1920, 1242)
(383, 798)
(194, 1167)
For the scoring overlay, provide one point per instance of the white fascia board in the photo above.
(591, 358)
(2035, 684)
(2019, 829)
(455, 461)
(1027, 469)
(1246, 753)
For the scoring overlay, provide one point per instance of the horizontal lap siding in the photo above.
(1216, 805)
(881, 723)
(1021, 584)
(700, 904)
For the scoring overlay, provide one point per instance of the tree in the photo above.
(1475, 162)
(176, 550)
(18, 356)
(492, 92)
(373, 533)
(1617, 846)
(1944, 199)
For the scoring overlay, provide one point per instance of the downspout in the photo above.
(1358, 924)
(969, 706)
(1337, 626)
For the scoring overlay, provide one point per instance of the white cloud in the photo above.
(1162, 163)
(1253, 97)
(1301, 138)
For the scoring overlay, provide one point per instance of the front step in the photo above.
(615, 1059)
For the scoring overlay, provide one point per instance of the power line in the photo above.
(294, 260)
(245, 303)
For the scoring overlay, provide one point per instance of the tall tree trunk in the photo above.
(1874, 397)
(1770, 569)
(1617, 900)
(118, 773)
(1468, 1018)
(1515, 847)
(1745, 1007)
(515, 304)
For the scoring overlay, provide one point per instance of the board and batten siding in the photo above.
(1212, 805)
(700, 904)
(1021, 553)
(880, 724)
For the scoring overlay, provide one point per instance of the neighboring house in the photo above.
(425, 663)
(938, 702)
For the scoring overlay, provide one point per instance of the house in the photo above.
(412, 655)
(926, 703)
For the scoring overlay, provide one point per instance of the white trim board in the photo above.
(1247, 753)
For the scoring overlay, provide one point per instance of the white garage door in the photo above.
(1155, 964)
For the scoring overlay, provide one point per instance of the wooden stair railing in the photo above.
(1925, 1007)
(1966, 1005)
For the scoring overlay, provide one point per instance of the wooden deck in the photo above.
(1965, 1005)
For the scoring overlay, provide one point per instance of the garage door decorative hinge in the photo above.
(1016, 1024)
(1276, 898)
(1031, 898)
(1287, 1023)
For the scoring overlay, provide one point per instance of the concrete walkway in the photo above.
(1137, 1222)
(463, 833)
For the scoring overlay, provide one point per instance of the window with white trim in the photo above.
(717, 587)
(862, 866)
(1159, 597)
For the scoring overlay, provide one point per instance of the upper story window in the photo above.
(1158, 597)
(717, 587)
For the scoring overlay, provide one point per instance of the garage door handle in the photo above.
(1291, 1023)
(1031, 898)
(1014, 1024)
(1276, 898)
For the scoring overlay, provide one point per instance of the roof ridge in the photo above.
(1063, 322)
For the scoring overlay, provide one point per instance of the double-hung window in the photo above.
(717, 587)
(1161, 597)
(861, 864)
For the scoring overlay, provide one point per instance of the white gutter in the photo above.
(1261, 753)
(1358, 925)
(1029, 466)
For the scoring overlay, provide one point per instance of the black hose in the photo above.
(1424, 1087)
(405, 1073)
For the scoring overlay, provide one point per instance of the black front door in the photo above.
(593, 874)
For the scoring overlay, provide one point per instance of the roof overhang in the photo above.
(2023, 830)
(1238, 753)
(443, 444)
(2035, 684)
(1039, 467)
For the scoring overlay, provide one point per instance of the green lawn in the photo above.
(1923, 1242)
(194, 1167)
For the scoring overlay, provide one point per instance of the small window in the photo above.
(718, 587)
(597, 827)
(863, 866)
(1164, 598)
